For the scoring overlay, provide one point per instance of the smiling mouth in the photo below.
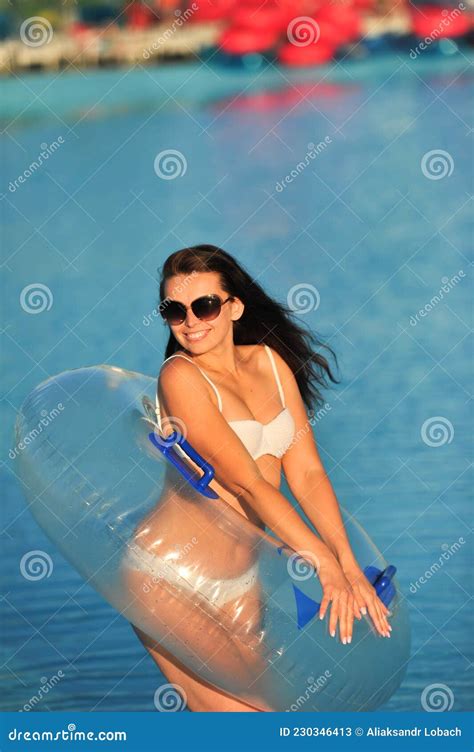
(196, 336)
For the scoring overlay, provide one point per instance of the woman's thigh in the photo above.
(227, 645)
(199, 695)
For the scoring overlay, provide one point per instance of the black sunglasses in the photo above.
(205, 308)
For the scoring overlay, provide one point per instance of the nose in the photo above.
(191, 319)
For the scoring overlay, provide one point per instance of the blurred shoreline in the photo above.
(114, 46)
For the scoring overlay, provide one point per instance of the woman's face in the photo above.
(193, 334)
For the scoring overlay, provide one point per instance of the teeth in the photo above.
(197, 335)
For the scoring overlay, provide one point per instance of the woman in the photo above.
(238, 376)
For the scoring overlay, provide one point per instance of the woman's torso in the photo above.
(253, 396)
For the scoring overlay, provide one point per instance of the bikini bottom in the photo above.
(217, 591)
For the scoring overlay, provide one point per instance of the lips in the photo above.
(197, 336)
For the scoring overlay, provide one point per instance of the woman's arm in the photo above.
(314, 492)
(312, 488)
(306, 475)
(187, 397)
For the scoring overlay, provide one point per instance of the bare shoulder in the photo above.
(253, 356)
(178, 379)
(281, 364)
(257, 359)
(178, 371)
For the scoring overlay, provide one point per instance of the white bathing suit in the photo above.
(216, 591)
(272, 438)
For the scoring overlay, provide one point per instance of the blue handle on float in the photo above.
(166, 447)
(382, 582)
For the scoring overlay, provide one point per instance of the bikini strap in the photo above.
(275, 373)
(179, 355)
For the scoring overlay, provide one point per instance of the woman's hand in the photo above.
(366, 598)
(336, 591)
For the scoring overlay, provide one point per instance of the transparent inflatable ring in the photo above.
(134, 513)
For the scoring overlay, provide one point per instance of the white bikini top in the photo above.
(259, 438)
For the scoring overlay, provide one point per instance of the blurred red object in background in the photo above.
(79, 29)
(329, 34)
(313, 54)
(260, 17)
(434, 21)
(289, 96)
(365, 4)
(138, 15)
(245, 41)
(211, 10)
(345, 22)
(167, 5)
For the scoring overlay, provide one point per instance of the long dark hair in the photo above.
(264, 320)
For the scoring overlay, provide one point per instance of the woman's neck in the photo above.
(222, 359)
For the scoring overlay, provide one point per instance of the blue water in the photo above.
(361, 223)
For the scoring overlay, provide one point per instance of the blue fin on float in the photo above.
(306, 607)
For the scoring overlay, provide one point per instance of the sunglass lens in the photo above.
(207, 307)
(173, 312)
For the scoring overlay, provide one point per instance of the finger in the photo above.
(334, 616)
(355, 607)
(347, 616)
(343, 617)
(374, 615)
(383, 619)
(380, 623)
(384, 608)
(350, 619)
(385, 622)
(360, 600)
(324, 604)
